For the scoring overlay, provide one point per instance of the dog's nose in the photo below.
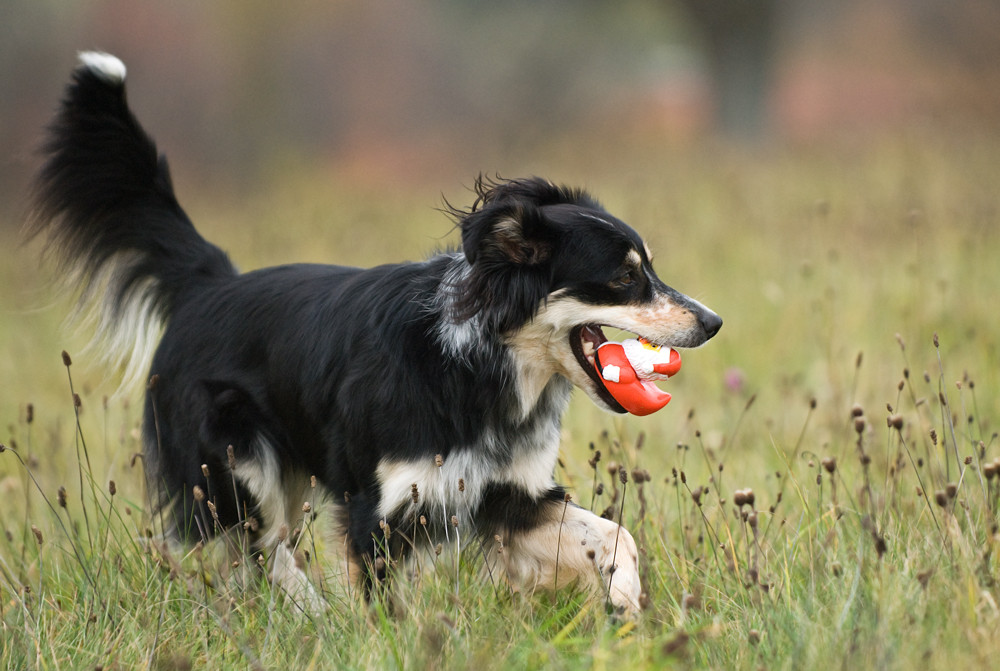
(711, 322)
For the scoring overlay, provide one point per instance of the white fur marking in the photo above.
(529, 559)
(279, 495)
(125, 339)
(455, 337)
(107, 67)
(530, 469)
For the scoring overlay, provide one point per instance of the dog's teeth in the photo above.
(588, 348)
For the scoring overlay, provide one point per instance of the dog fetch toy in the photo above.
(629, 368)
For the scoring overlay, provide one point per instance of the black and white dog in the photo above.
(429, 389)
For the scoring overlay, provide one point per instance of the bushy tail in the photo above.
(105, 201)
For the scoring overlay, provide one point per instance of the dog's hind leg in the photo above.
(280, 498)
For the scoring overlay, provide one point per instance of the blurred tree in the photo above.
(739, 39)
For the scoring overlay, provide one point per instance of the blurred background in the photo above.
(433, 91)
(822, 174)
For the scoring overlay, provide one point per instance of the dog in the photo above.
(431, 390)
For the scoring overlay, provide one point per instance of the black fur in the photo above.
(332, 371)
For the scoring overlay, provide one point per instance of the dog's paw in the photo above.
(618, 563)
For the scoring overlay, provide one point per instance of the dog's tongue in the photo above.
(637, 395)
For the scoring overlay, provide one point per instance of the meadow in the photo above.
(822, 492)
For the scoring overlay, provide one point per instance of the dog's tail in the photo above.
(105, 201)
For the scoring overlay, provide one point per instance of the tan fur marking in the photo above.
(528, 560)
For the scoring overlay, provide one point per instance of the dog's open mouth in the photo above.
(623, 373)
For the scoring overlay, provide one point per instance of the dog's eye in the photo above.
(627, 278)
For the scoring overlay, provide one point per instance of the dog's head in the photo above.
(549, 267)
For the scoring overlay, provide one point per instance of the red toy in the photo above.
(628, 369)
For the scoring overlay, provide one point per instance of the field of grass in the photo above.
(853, 391)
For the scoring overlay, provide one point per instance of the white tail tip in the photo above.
(107, 67)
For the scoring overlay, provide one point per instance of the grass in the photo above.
(820, 493)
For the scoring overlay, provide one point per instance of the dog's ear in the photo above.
(514, 232)
(507, 223)
(508, 242)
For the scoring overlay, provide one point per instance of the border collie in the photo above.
(430, 390)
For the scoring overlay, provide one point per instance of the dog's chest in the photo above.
(454, 484)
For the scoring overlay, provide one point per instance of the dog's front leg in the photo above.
(571, 545)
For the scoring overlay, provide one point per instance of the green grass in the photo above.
(833, 268)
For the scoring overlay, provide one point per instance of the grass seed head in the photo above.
(67, 361)
(940, 498)
(743, 497)
(61, 497)
(204, 470)
(231, 456)
(198, 493)
(951, 489)
(830, 464)
(112, 487)
(37, 533)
